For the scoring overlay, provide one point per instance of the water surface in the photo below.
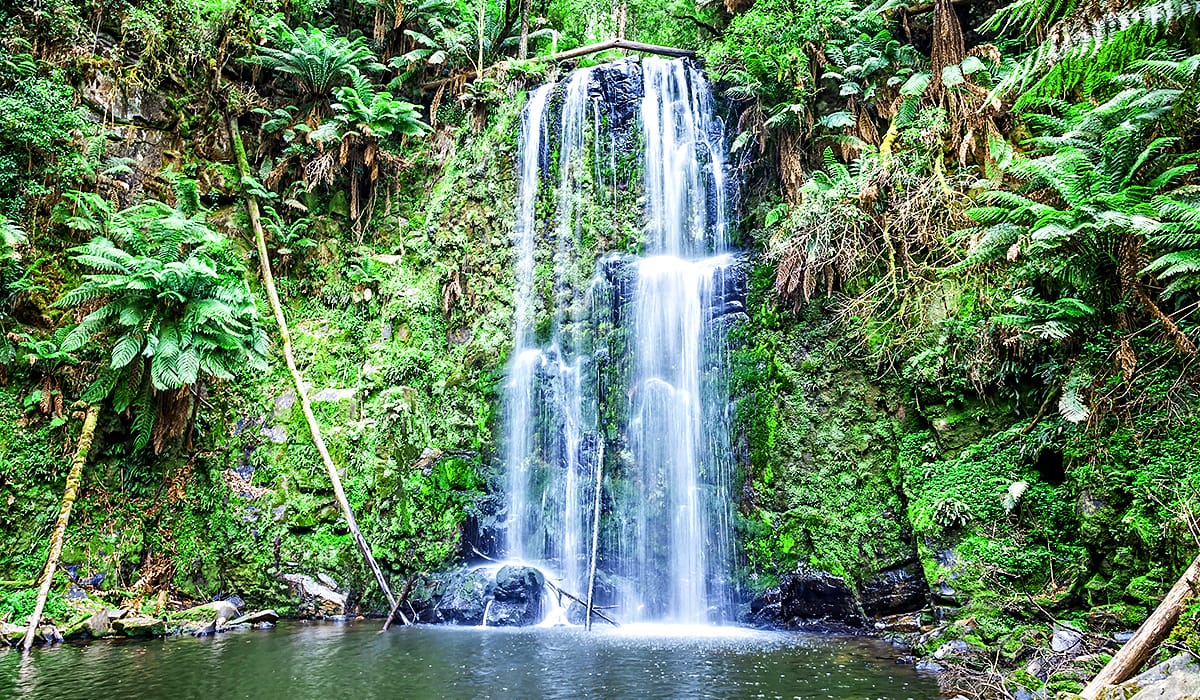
(298, 660)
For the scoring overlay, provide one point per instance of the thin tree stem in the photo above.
(297, 379)
(70, 492)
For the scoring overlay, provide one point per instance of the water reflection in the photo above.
(301, 660)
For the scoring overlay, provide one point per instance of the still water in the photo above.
(300, 660)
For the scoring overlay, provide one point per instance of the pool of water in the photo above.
(314, 660)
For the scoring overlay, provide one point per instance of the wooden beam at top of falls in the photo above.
(576, 53)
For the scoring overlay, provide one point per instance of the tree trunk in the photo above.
(286, 343)
(70, 492)
(523, 50)
(1156, 627)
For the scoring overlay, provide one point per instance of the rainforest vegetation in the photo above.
(974, 234)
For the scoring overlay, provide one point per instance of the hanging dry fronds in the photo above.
(791, 164)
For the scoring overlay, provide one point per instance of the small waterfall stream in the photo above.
(630, 369)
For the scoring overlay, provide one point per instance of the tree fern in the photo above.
(175, 304)
(1075, 33)
(314, 58)
(1103, 184)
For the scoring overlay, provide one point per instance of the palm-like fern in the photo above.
(1102, 185)
(315, 59)
(175, 304)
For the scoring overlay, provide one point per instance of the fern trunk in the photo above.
(298, 380)
(70, 492)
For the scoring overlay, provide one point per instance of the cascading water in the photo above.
(630, 370)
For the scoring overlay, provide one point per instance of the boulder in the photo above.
(89, 626)
(804, 598)
(316, 599)
(10, 633)
(208, 611)
(1066, 640)
(895, 591)
(464, 597)
(1177, 678)
(516, 597)
(256, 618)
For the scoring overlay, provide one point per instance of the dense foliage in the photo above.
(975, 229)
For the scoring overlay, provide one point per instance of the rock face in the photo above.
(804, 598)
(809, 597)
(316, 598)
(895, 591)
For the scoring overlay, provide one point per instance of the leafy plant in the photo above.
(174, 307)
(1103, 183)
(315, 59)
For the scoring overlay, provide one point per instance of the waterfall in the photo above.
(631, 366)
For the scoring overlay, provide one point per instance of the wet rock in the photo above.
(926, 666)
(806, 597)
(1177, 677)
(619, 85)
(955, 647)
(1066, 640)
(464, 597)
(316, 598)
(98, 625)
(945, 594)
(894, 592)
(217, 609)
(140, 626)
(909, 623)
(516, 597)
(10, 633)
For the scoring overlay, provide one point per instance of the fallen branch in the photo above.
(314, 428)
(70, 492)
(595, 611)
(1155, 629)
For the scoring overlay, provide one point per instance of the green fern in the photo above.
(175, 303)
(1081, 44)
(1104, 183)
